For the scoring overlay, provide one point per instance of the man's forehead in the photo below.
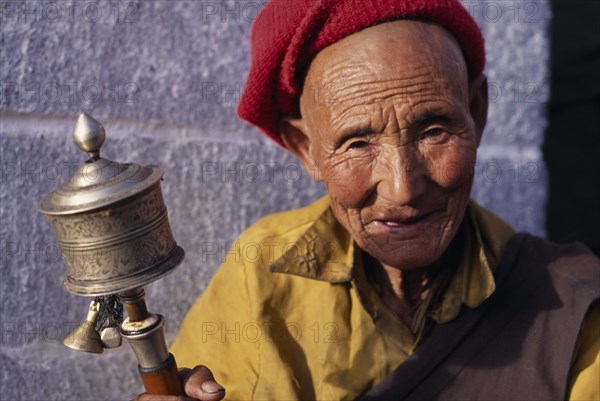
(394, 43)
(416, 54)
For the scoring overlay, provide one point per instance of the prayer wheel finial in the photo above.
(89, 135)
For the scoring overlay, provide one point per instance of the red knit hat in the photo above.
(288, 34)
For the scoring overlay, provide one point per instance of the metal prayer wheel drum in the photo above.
(110, 221)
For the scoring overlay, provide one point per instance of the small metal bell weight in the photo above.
(85, 337)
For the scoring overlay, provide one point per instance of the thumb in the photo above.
(200, 383)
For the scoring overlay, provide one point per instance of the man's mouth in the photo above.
(391, 223)
(398, 221)
(405, 225)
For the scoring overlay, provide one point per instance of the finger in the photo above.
(200, 383)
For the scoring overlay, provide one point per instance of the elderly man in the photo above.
(395, 285)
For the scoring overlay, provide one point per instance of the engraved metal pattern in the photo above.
(104, 250)
(107, 223)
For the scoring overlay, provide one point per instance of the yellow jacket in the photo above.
(289, 315)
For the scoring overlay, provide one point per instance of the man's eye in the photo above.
(437, 134)
(358, 144)
(433, 132)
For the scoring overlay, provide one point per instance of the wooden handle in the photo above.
(162, 379)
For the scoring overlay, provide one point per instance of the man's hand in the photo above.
(198, 384)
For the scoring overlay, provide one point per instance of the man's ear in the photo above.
(478, 103)
(295, 137)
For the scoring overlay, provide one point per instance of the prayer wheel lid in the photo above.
(97, 182)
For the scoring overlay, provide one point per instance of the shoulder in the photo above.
(572, 266)
(575, 257)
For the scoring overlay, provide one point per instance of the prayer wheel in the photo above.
(112, 227)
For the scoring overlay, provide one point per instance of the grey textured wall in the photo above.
(164, 78)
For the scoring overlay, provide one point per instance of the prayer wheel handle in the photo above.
(144, 333)
(162, 379)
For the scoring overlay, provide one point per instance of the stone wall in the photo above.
(164, 78)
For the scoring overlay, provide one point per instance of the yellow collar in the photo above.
(326, 252)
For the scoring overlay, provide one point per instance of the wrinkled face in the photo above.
(392, 126)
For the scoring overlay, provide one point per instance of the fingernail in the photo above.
(211, 387)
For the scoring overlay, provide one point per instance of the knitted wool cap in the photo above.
(288, 34)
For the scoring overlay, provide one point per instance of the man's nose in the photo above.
(401, 176)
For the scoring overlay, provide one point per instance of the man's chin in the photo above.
(411, 262)
(407, 256)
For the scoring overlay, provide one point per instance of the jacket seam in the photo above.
(252, 315)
